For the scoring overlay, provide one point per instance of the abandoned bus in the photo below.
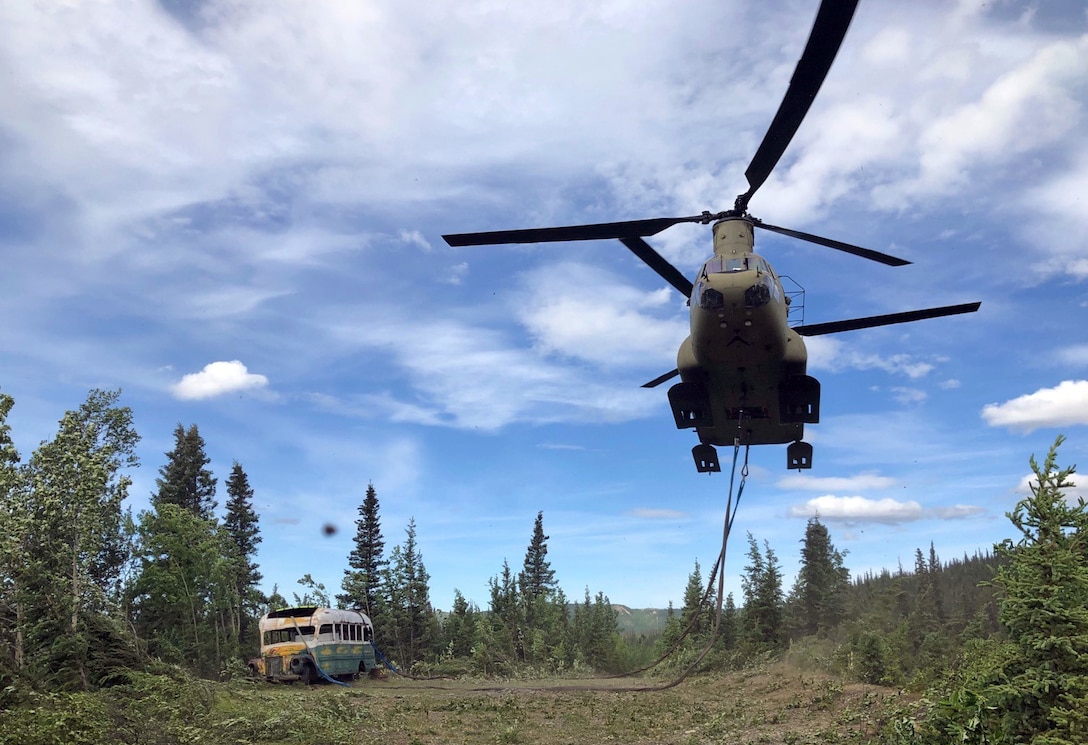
(301, 643)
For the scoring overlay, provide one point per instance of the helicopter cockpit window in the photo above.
(722, 265)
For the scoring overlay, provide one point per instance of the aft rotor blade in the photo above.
(834, 327)
(661, 379)
(599, 231)
(865, 253)
(657, 262)
(828, 31)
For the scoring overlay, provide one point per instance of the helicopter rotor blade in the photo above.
(853, 324)
(657, 262)
(832, 20)
(865, 253)
(661, 379)
(599, 231)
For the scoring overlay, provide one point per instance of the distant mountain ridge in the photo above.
(637, 621)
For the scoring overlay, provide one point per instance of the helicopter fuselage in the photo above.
(742, 363)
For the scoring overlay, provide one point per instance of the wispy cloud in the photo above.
(859, 482)
(836, 355)
(650, 513)
(580, 311)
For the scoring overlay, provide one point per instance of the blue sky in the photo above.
(233, 211)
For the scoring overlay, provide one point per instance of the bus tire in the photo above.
(308, 674)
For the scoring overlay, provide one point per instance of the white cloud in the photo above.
(887, 511)
(859, 509)
(216, 379)
(1061, 406)
(859, 482)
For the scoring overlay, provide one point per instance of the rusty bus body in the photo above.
(302, 643)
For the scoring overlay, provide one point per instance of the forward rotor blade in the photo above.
(657, 262)
(599, 231)
(661, 379)
(834, 327)
(865, 253)
(828, 31)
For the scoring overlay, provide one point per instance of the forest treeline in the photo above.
(89, 592)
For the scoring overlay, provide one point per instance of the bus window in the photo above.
(306, 630)
(368, 633)
(279, 636)
(326, 628)
(339, 631)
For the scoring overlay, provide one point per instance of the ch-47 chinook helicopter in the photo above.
(743, 368)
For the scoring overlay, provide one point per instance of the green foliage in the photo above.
(362, 579)
(595, 633)
(817, 602)
(65, 543)
(459, 630)
(411, 631)
(763, 601)
(315, 594)
(174, 597)
(241, 537)
(1034, 687)
(1044, 607)
(537, 578)
(183, 480)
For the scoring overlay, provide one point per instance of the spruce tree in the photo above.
(763, 603)
(459, 631)
(242, 533)
(505, 616)
(537, 578)
(184, 480)
(695, 612)
(536, 583)
(362, 580)
(818, 600)
(415, 629)
(183, 590)
(1043, 690)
